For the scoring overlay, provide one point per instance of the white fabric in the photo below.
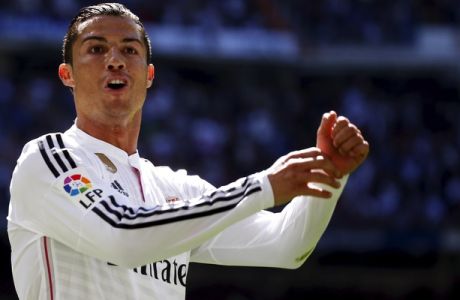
(117, 227)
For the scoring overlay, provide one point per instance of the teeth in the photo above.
(116, 81)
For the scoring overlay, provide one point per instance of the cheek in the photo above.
(138, 66)
(141, 80)
(83, 80)
(86, 73)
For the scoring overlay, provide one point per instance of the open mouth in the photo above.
(116, 84)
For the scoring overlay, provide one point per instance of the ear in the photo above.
(66, 75)
(150, 75)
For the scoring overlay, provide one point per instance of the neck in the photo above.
(123, 135)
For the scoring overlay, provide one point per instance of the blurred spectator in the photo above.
(327, 22)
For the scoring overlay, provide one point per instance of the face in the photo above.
(109, 74)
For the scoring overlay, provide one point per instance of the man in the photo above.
(90, 219)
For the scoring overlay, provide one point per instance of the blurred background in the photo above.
(241, 82)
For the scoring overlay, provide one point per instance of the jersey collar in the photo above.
(98, 146)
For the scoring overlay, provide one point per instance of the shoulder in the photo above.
(46, 157)
(180, 175)
(180, 179)
(50, 153)
(36, 168)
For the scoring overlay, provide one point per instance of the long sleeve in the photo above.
(283, 239)
(70, 203)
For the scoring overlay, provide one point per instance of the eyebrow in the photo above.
(103, 39)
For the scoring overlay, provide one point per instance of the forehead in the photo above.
(109, 26)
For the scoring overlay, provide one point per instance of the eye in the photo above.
(96, 49)
(130, 50)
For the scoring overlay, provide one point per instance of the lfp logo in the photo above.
(76, 184)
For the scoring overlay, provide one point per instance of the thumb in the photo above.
(327, 123)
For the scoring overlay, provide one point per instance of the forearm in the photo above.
(306, 225)
(267, 239)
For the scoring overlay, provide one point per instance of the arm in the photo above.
(283, 240)
(286, 239)
(104, 224)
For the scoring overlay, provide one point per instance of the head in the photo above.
(106, 55)
(103, 9)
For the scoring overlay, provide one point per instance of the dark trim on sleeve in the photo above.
(47, 160)
(55, 155)
(121, 216)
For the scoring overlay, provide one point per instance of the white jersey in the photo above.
(88, 221)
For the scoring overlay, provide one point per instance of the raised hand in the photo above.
(342, 142)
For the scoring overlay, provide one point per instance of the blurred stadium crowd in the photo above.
(226, 119)
(329, 21)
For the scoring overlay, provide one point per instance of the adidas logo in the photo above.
(116, 185)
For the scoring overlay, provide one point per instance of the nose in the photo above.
(115, 60)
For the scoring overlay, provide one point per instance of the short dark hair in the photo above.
(103, 9)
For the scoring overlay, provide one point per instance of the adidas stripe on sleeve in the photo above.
(55, 151)
(218, 201)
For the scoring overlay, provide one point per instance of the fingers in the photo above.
(319, 162)
(342, 148)
(303, 176)
(312, 187)
(304, 153)
(309, 183)
(346, 136)
(342, 127)
(316, 176)
(352, 142)
(361, 150)
(314, 191)
(327, 122)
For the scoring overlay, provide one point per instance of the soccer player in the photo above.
(90, 219)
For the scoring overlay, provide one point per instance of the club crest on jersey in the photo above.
(76, 184)
(109, 165)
